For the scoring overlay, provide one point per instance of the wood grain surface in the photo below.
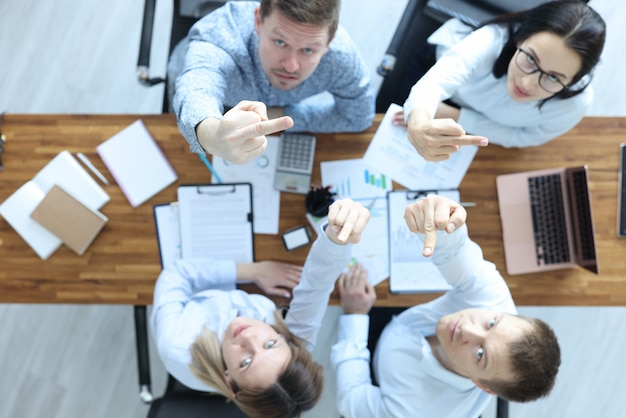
(121, 265)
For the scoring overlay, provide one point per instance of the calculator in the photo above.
(296, 152)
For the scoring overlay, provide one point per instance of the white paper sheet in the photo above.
(373, 249)
(410, 271)
(64, 171)
(260, 172)
(391, 152)
(215, 221)
(137, 163)
(354, 179)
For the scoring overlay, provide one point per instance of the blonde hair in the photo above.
(297, 389)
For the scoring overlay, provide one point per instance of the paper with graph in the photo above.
(391, 152)
(355, 180)
(409, 270)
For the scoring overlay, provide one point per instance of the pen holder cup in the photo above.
(318, 200)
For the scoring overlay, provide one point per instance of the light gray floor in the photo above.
(64, 56)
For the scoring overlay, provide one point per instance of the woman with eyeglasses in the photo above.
(520, 80)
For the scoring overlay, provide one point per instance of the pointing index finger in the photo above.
(268, 127)
(477, 140)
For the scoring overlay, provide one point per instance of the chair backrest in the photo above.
(178, 400)
(184, 14)
(420, 19)
(412, 31)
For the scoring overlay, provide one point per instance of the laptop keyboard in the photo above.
(297, 152)
(548, 219)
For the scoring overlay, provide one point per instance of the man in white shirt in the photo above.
(446, 357)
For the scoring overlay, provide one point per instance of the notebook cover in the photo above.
(64, 171)
(71, 221)
(137, 163)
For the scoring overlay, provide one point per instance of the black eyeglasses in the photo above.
(528, 65)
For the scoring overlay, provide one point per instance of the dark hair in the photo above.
(582, 29)
(535, 359)
(297, 388)
(318, 12)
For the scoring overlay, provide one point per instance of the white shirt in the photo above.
(412, 383)
(463, 73)
(201, 292)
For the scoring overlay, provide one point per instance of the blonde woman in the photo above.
(215, 338)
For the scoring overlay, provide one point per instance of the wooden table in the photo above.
(122, 264)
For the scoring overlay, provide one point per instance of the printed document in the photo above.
(216, 221)
(355, 180)
(260, 172)
(391, 152)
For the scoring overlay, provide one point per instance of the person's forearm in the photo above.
(245, 272)
(445, 111)
(310, 298)
(350, 358)
(206, 133)
(419, 116)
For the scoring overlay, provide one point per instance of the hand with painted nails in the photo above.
(436, 139)
(346, 221)
(432, 214)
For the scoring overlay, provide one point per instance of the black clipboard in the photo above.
(216, 220)
(409, 271)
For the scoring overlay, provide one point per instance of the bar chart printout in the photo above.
(354, 179)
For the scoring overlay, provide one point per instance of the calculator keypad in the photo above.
(297, 152)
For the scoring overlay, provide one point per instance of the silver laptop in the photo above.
(294, 168)
(547, 222)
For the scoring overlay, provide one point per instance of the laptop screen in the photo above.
(582, 218)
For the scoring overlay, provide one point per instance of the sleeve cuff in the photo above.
(354, 327)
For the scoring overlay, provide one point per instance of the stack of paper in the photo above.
(65, 172)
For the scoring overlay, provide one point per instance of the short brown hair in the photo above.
(535, 359)
(296, 390)
(313, 12)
